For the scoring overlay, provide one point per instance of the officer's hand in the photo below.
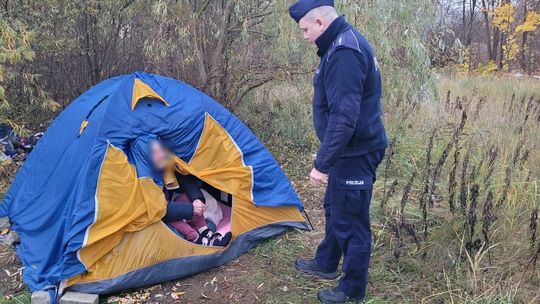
(318, 178)
(198, 207)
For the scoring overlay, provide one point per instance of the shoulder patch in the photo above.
(346, 39)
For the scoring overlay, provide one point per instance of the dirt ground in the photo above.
(10, 272)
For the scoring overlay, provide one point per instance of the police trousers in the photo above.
(348, 232)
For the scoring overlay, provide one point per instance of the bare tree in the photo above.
(223, 47)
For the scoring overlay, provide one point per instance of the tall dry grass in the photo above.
(477, 199)
(455, 212)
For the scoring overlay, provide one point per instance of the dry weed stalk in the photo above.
(401, 221)
(406, 192)
(391, 191)
(510, 106)
(390, 152)
(533, 226)
(448, 101)
(452, 183)
(399, 242)
(441, 161)
(479, 106)
(528, 111)
(471, 217)
(474, 172)
(464, 191)
(411, 231)
(517, 152)
(487, 219)
(508, 173)
(457, 105)
(425, 190)
(537, 111)
(506, 186)
(493, 155)
(487, 216)
(532, 261)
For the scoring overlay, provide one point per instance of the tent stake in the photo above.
(309, 221)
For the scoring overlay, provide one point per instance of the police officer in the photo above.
(347, 120)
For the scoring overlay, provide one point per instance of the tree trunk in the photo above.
(472, 11)
(487, 25)
(522, 55)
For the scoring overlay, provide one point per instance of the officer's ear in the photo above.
(320, 23)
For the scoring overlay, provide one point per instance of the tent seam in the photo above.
(96, 209)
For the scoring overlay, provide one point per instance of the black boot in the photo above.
(312, 267)
(336, 296)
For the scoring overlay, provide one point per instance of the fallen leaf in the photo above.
(205, 296)
(177, 295)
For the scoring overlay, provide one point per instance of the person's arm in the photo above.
(343, 81)
(188, 185)
(178, 211)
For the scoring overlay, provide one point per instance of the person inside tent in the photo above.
(191, 211)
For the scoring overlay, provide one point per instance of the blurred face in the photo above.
(160, 156)
(311, 28)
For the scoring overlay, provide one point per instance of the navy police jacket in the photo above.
(347, 96)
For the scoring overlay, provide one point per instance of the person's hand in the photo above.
(318, 178)
(198, 207)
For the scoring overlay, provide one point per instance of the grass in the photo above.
(482, 252)
(283, 284)
(495, 88)
(20, 299)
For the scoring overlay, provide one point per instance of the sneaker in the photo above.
(336, 296)
(207, 233)
(311, 267)
(220, 240)
(201, 240)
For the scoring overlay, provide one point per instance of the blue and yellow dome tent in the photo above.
(89, 222)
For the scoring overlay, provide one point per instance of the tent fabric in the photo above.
(88, 212)
(182, 267)
(142, 90)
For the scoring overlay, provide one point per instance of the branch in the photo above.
(243, 94)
